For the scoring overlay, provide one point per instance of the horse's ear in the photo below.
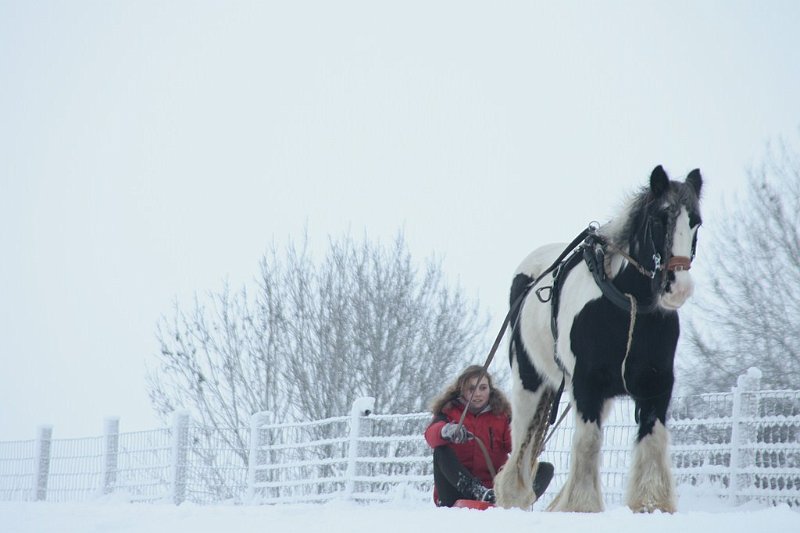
(695, 180)
(659, 181)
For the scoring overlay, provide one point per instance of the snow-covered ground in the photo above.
(696, 515)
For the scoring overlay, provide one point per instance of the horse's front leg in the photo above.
(514, 483)
(651, 486)
(581, 492)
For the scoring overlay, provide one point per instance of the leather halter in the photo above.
(594, 255)
(678, 263)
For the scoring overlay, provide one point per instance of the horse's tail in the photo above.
(520, 285)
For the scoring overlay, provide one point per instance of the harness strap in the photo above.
(642, 270)
(518, 302)
(512, 309)
(555, 299)
(595, 261)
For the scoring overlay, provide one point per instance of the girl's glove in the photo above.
(455, 433)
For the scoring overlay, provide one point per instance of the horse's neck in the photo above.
(632, 282)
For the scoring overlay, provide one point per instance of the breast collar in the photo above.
(594, 255)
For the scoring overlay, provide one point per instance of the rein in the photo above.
(512, 309)
(595, 261)
(516, 304)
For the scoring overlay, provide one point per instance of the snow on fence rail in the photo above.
(741, 446)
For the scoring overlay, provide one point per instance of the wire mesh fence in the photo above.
(17, 474)
(144, 465)
(741, 446)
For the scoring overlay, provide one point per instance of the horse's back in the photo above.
(534, 339)
(540, 259)
(534, 320)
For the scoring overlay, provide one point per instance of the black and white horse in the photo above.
(615, 333)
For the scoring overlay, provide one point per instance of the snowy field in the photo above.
(695, 516)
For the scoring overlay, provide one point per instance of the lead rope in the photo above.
(632, 323)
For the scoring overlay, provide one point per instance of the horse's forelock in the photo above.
(622, 229)
(688, 197)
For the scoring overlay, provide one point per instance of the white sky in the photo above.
(152, 149)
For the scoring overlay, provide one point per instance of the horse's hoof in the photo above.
(521, 501)
(651, 507)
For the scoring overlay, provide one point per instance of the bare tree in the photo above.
(368, 323)
(749, 314)
(315, 336)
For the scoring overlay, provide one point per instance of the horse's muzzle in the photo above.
(678, 291)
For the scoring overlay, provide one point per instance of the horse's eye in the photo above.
(661, 219)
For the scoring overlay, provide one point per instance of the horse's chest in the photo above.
(601, 335)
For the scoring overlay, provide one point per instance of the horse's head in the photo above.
(660, 234)
(667, 238)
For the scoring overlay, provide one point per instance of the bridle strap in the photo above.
(518, 302)
(676, 263)
(642, 270)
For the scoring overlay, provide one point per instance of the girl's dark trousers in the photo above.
(453, 481)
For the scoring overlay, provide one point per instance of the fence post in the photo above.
(743, 431)
(257, 421)
(110, 453)
(42, 462)
(180, 452)
(361, 407)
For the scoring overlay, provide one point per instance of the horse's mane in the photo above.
(624, 224)
(622, 227)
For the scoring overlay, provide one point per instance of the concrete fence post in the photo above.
(743, 432)
(42, 462)
(180, 453)
(256, 455)
(362, 408)
(110, 454)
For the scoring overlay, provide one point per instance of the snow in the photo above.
(695, 516)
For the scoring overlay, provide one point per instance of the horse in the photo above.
(610, 330)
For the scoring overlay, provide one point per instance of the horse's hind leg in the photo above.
(531, 399)
(651, 486)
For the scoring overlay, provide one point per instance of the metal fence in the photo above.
(740, 446)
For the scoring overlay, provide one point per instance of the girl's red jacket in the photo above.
(493, 429)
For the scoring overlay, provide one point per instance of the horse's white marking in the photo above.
(537, 335)
(514, 486)
(651, 485)
(581, 492)
(683, 286)
(579, 288)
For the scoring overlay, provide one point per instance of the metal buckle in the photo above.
(549, 294)
(656, 265)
